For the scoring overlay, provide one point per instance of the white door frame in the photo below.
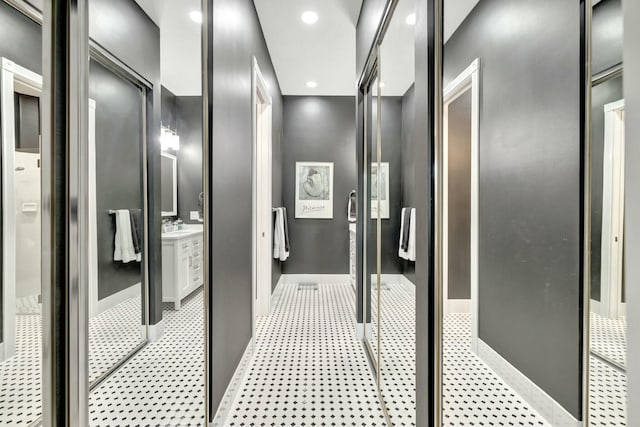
(469, 79)
(93, 215)
(14, 79)
(262, 212)
(612, 212)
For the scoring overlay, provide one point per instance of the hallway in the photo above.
(307, 368)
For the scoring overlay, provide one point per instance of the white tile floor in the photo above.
(308, 370)
(162, 385)
(112, 335)
(609, 338)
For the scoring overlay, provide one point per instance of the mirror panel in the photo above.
(21, 314)
(116, 170)
(607, 256)
(397, 233)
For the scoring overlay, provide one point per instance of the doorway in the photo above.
(612, 277)
(21, 90)
(262, 199)
(461, 120)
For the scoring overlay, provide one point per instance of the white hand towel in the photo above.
(124, 250)
(410, 253)
(279, 240)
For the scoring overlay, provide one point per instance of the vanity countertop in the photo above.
(181, 234)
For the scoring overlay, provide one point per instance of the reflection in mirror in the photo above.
(397, 211)
(20, 256)
(146, 314)
(508, 203)
(608, 329)
(373, 234)
(117, 234)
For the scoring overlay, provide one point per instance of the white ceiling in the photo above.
(180, 42)
(324, 52)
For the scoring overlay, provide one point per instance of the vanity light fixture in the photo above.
(309, 17)
(411, 19)
(312, 84)
(196, 16)
(169, 139)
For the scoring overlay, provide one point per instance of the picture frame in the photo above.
(384, 190)
(314, 190)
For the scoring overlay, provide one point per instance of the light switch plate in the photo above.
(194, 215)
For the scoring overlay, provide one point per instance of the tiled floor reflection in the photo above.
(163, 385)
(609, 338)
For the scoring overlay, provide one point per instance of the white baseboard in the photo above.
(117, 298)
(540, 401)
(2, 358)
(595, 306)
(156, 331)
(315, 278)
(231, 393)
(458, 306)
(363, 330)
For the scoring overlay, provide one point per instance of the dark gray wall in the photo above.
(459, 197)
(118, 170)
(602, 94)
(632, 177)
(122, 28)
(21, 42)
(407, 160)
(168, 108)
(230, 204)
(606, 35)
(184, 114)
(529, 236)
(319, 129)
(189, 124)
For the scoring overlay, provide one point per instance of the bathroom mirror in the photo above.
(607, 255)
(396, 296)
(169, 184)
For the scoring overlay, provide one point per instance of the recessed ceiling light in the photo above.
(196, 16)
(381, 84)
(312, 84)
(411, 19)
(309, 17)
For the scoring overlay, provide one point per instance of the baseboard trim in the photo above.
(458, 306)
(2, 358)
(363, 330)
(231, 393)
(595, 306)
(539, 400)
(117, 298)
(316, 278)
(156, 331)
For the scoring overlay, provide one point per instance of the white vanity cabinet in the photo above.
(182, 254)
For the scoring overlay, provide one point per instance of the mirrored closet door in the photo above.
(117, 168)
(21, 290)
(395, 178)
(607, 255)
(508, 165)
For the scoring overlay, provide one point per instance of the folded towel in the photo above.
(280, 236)
(408, 225)
(124, 250)
(406, 218)
(136, 232)
(286, 230)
